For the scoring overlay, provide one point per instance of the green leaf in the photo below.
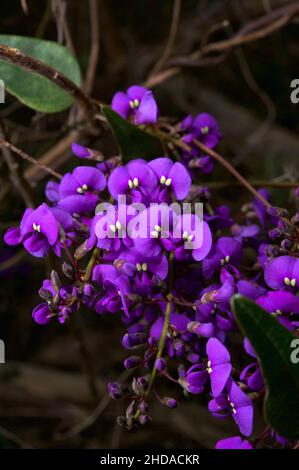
(31, 89)
(132, 141)
(273, 346)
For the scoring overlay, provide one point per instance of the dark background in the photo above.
(43, 390)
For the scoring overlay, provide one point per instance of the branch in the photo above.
(232, 170)
(94, 45)
(254, 30)
(26, 62)
(27, 157)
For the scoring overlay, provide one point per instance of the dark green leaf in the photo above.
(132, 141)
(272, 344)
(31, 89)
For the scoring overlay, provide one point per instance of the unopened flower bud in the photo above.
(274, 233)
(132, 361)
(178, 346)
(278, 212)
(88, 289)
(169, 402)
(81, 251)
(139, 385)
(143, 406)
(67, 270)
(132, 340)
(115, 390)
(143, 419)
(286, 244)
(55, 280)
(45, 294)
(160, 364)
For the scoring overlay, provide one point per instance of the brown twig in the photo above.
(16, 177)
(171, 37)
(94, 46)
(26, 62)
(232, 170)
(10, 436)
(27, 157)
(253, 31)
(54, 154)
(255, 183)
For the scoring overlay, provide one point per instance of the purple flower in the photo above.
(282, 305)
(218, 366)
(171, 176)
(80, 151)
(194, 380)
(226, 252)
(282, 273)
(142, 268)
(78, 191)
(38, 231)
(203, 127)
(138, 102)
(116, 286)
(190, 236)
(236, 403)
(136, 179)
(235, 442)
(108, 228)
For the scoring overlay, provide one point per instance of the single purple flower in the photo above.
(226, 252)
(203, 127)
(78, 191)
(236, 403)
(136, 179)
(218, 366)
(116, 286)
(38, 231)
(138, 102)
(142, 268)
(171, 176)
(194, 380)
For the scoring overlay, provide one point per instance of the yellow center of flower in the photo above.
(205, 130)
(290, 282)
(82, 189)
(134, 103)
(225, 260)
(186, 237)
(165, 181)
(133, 183)
(141, 267)
(36, 227)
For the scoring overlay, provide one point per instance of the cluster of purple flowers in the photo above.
(174, 301)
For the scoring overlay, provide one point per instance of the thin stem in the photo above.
(26, 62)
(165, 326)
(161, 345)
(232, 170)
(27, 157)
(91, 264)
